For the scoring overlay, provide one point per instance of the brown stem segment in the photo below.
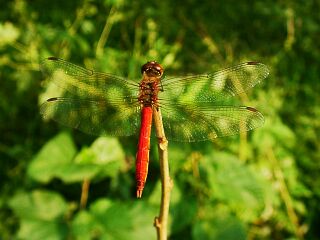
(161, 222)
(84, 193)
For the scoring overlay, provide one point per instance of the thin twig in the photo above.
(161, 222)
(84, 193)
(105, 33)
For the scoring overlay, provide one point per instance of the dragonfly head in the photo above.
(152, 69)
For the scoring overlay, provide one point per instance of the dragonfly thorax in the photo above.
(148, 94)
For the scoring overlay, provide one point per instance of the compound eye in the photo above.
(152, 69)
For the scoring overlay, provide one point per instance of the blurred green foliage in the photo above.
(260, 185)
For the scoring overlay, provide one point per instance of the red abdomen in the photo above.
(142, 161)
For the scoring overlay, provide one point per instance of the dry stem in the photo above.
(84, 193)
(161, 222)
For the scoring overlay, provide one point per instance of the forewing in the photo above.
(93, 116)
(93, 102)
(214, 87)
(185, 123)
(87, 84)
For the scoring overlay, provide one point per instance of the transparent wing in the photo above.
(93, 102)
(86, 83)
(215, 87)
(96, 117)
(186, 123)
(194, 108)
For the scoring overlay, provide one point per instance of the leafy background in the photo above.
(260, 185)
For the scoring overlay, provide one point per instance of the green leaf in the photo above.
(42, 205)
(59, 151)
(219, 227)
(106, 150)
(40, 214)
(39, 230)
(72, 172)
(84, 226)
(115, 220)
(56, 159)
(234, 183)
(105, 153)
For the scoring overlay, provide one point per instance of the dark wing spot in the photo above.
(251, 109)
(252, 63)
(52, 99)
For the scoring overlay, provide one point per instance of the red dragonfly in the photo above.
(194, 108)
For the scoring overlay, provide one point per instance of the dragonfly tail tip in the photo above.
(139, 193)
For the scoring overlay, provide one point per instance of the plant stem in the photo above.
(84, 193)
(161, 222)
(105, 33)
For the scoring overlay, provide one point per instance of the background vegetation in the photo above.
(260, 185)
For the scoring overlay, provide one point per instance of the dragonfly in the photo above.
(193, 107)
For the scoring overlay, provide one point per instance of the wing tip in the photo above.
(44, 64)
(257, 113)
(255, 63)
